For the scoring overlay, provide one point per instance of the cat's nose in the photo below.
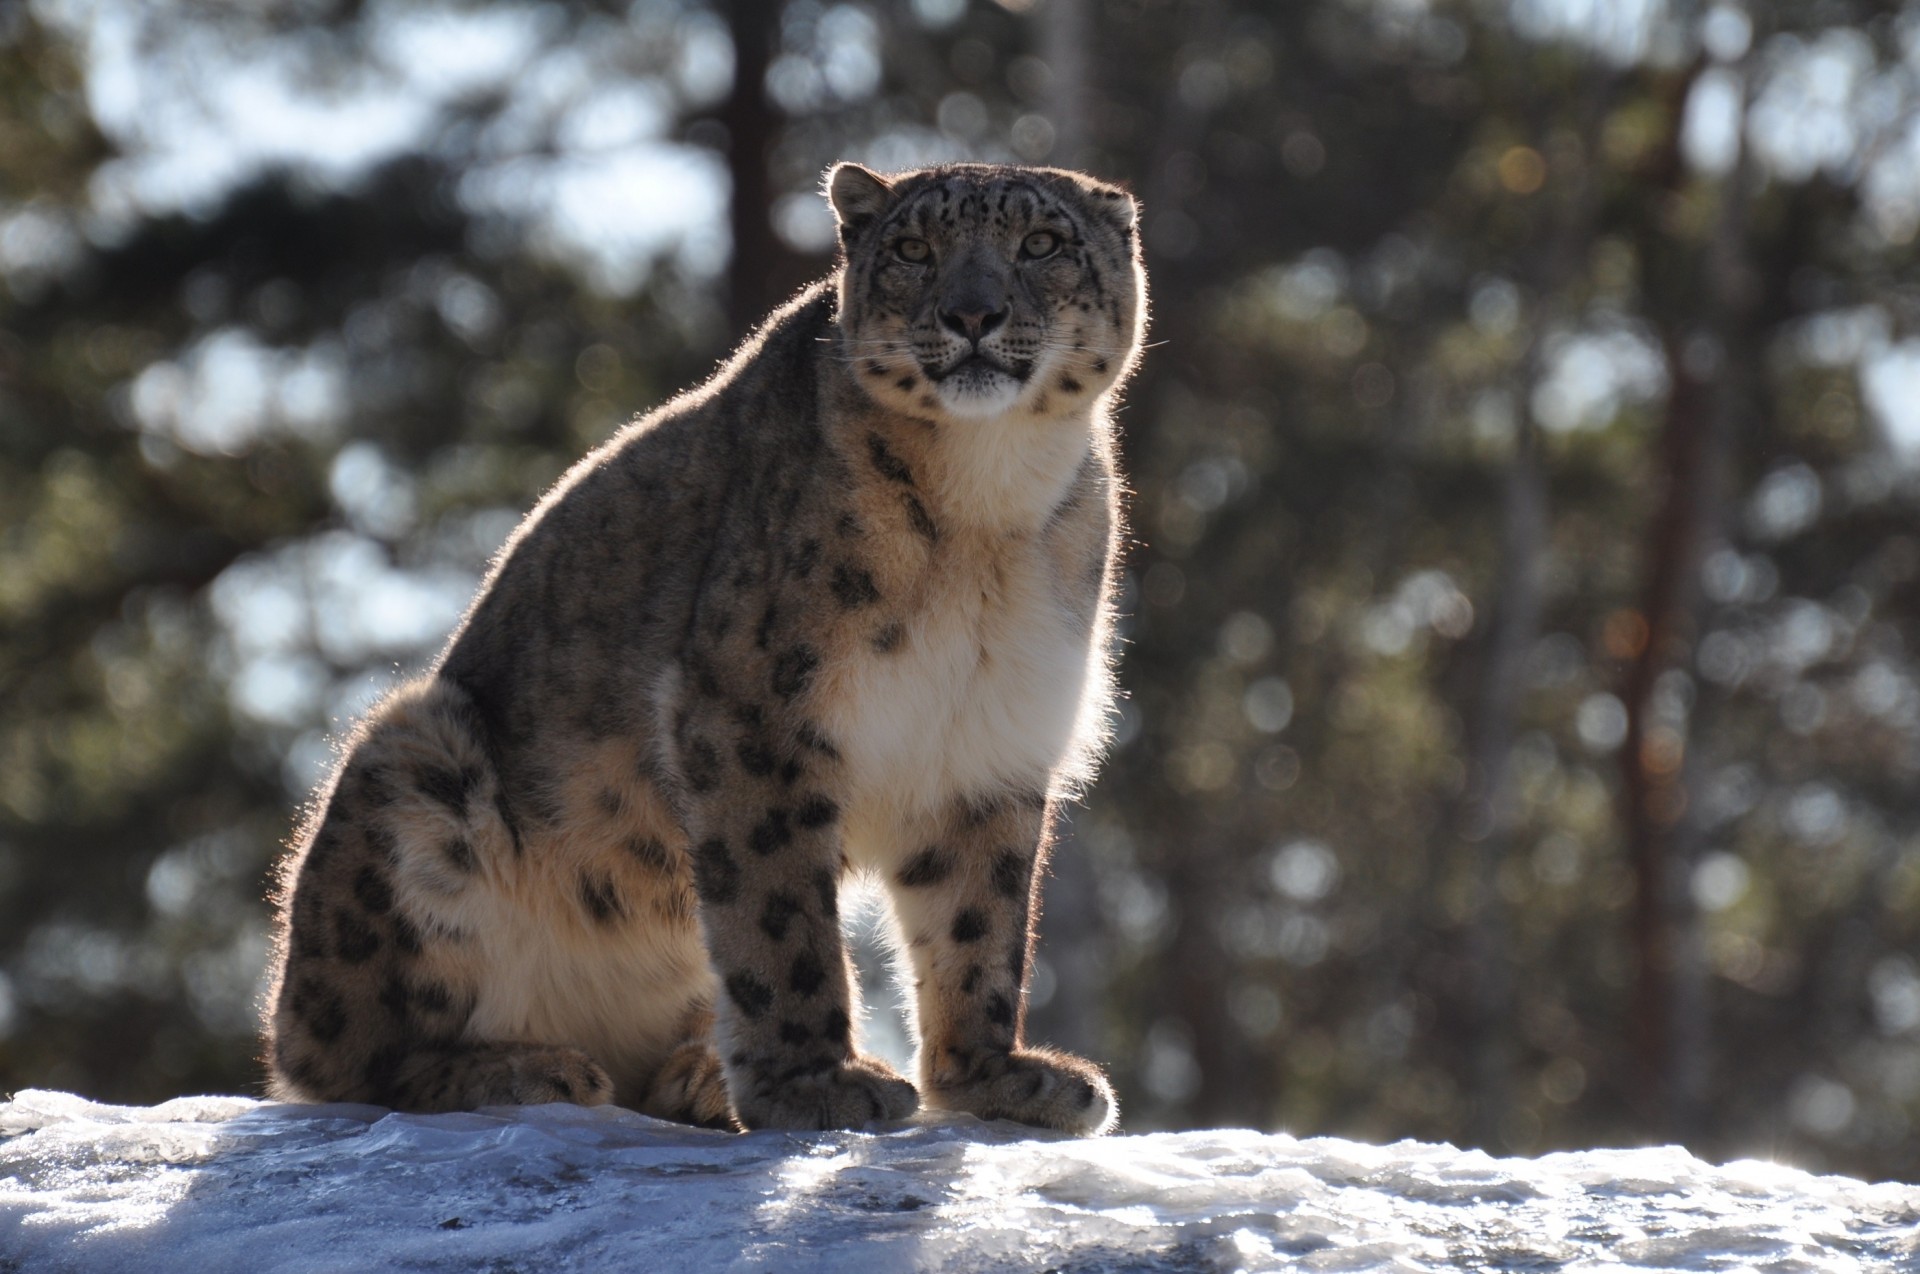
(972, 321)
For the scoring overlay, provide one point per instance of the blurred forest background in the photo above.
(1524, 612)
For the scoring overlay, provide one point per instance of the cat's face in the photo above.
(976, 290)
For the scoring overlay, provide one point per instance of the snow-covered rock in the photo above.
(213, 1184)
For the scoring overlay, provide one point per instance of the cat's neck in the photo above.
(1007, 473)
(1003, 474)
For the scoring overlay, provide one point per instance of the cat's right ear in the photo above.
(858, 196)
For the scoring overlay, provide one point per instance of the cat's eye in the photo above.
(1041, 243)
(914, 250)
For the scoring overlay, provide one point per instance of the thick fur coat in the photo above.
(844, 608)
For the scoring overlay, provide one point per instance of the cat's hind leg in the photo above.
(373, 990)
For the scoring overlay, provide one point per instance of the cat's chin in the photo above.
(979, 391)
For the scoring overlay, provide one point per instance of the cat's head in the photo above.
(976, 290)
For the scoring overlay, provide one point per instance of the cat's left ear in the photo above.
(858, 196)
(1116, 204)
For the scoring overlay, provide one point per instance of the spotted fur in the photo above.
(845, 607)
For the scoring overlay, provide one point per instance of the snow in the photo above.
(214, 1184)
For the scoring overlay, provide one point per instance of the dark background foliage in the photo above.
(1522, 730)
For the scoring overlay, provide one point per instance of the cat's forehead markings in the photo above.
(1000, 202)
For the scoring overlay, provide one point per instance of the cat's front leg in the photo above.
(966, 902)
(763, 815)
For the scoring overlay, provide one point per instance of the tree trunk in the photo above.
(1487, 814)
(1065, 33)
(1669, 1013)
(762, 270)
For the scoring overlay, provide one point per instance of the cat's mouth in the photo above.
(983, 366)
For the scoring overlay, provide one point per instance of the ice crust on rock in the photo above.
(215, 1184)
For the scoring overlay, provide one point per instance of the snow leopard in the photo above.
(842, 611)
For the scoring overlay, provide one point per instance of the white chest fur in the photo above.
(989, 688)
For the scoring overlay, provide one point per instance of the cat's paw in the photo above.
(536, 1076)
(691, 1088)
(1039, 1086)
(856, 1092)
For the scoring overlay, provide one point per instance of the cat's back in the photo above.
(609, 563)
